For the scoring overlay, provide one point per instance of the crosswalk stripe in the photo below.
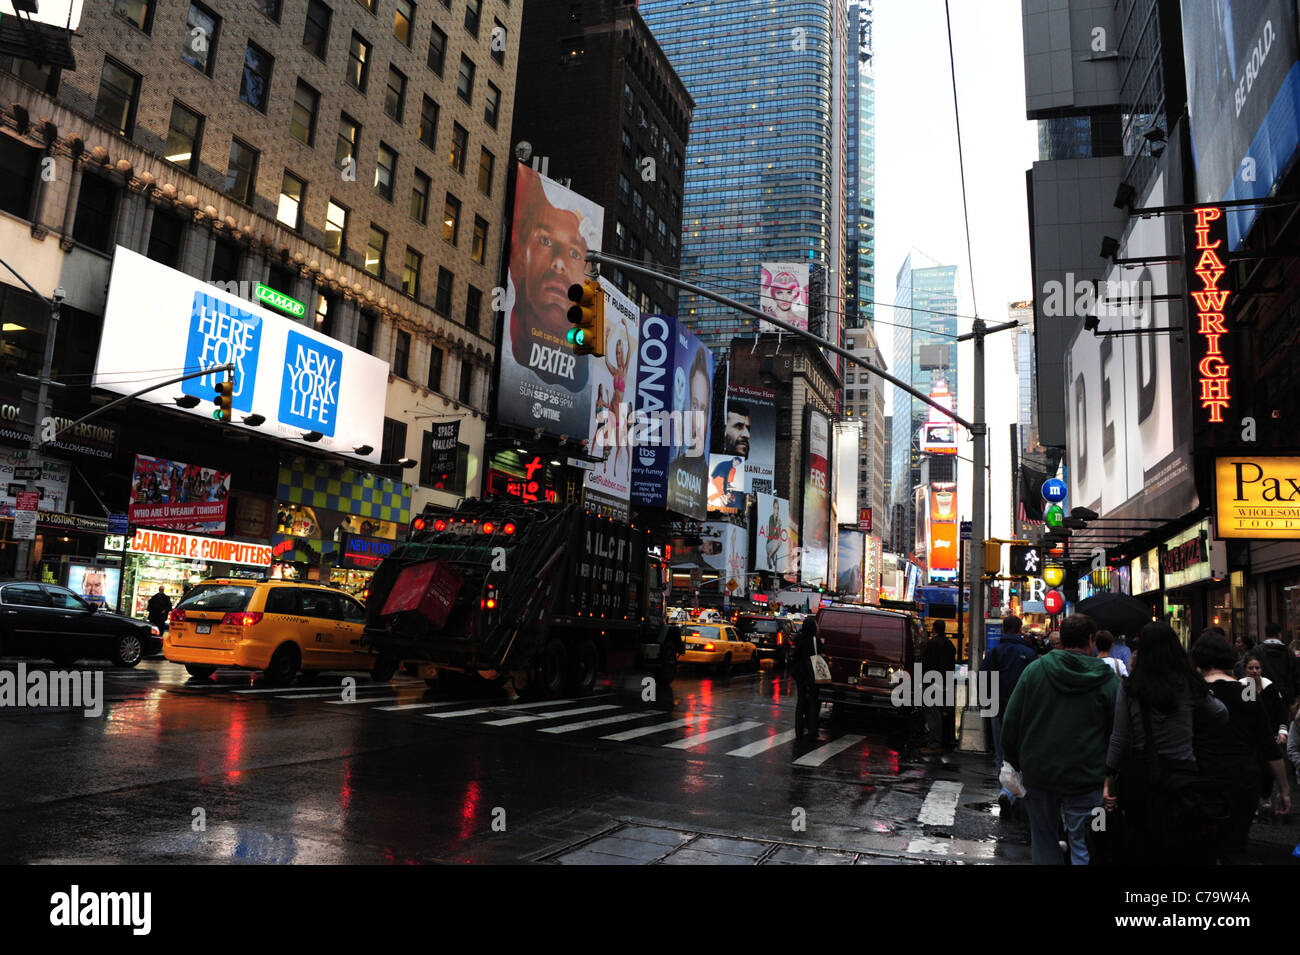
(361, 688)
(423, 706)
(647, 730)
(940, 806)
(535, 717)
(472, 712)
(763, 745)
(701, 738)
(825, 752)
(601, 721)
(368, 699)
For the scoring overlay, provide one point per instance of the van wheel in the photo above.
(199, 671)
(284, 666)
(724, 668)
(552, 669)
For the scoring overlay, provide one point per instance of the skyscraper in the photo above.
(765, 162)
(1026, 362)
(925, 351)
(860, 174)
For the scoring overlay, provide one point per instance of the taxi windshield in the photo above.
(709, 633)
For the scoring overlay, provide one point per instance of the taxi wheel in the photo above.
(284, 666)
(384, 669)
(128, 650)
(724, 668)
(199, 671)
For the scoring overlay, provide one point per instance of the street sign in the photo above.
(965, 530)
(27, 474)
(16, 489)
(731, 584)
(27, 501)
(117, 524)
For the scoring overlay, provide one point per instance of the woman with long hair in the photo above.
(1261, 688)
(1151, 770)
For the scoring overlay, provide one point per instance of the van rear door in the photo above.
(839, 637)
(884, 648)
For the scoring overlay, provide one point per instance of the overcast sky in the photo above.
(918, 189)
(53, 11)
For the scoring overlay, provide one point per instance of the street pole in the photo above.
(972, 735)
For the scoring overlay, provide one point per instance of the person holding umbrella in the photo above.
(1118, 613)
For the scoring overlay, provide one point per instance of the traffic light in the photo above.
(225, 399)
(587, 337)
(992, 557)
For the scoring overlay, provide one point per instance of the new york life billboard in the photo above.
(613, 379)
(1243, 93)
(543, 384)
(296, 378)
(672, 421)
(816, 498)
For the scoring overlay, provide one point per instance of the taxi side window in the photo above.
(353, 612)
(319, 603)
(282, 600)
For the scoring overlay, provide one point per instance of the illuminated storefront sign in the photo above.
(366, 552)
(191, 547)
(1257, 498)
(1207, 242)
(526, 488)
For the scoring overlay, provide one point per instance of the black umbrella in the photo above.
(1118, 613)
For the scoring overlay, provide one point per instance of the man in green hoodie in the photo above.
(1055, 731)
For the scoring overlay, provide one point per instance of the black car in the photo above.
(44, 621)
(773, 636)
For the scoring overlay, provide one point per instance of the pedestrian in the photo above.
(1260, 687)
(1232, 754)
(938, 655)
(1121, 651)
(1151, 771)
(1005, 663)
(1293, 741)
(159, 607)
(1241, 646)
(1054, 641)
(808, 705)
(1054, 732)
(1105, 653)
(1280, 664)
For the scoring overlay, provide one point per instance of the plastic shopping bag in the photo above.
(1011, 779)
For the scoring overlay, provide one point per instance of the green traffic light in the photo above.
(217, 414)
(576, 337)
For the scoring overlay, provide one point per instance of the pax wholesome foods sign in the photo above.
(1258, 498)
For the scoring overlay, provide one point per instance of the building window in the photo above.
(442, 299)
(138, 13)
(302, 122)
(19, 166)
(452, 482)
(395, 95)
(165, 238)
(428, 122)
(325, 307)
(473, 307)
(466, 381)
(486, 165)
(366, 332)
(345, 147)
(624, 189)
(437, 58)
(336, 228)
(358, 62)
(289, 211)
(96, 203)
(225, 261)
(376, 246)
(435, 369)
(478, 250)
(620, 235)
(629, 100)
(269, 7)
(498, 41)
(402, 351)
(459, 146)
(492, 108)
(465, 79)
(255, 83)
(473, 13)
(198, 49)
(316, 34)
(241, 172)
(451, 219)
(184, 131)
(420, 198)
(411, 277)
(280, 278)
(118, 90)
(627, 143)
(385, 169)
(394, 441)
(403, 17)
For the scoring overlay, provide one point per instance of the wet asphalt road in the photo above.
(177, 770)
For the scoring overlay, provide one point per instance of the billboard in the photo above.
(849, 564)
(777, 550)
(673, 418)
(749, 433)
(1243, 96)
(943, 531)
(543, 384)
(178, 495)
(1255, 497)
(294, 377)
(611, 412)
(98, 584)
(1128, 398)
(726, 484)
(848, 440)
(783, 294)
(816, 498)
(730, 560)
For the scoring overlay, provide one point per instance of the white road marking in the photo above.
(424, 706)
(534, 717)
(938, 847)
(369, 699)
(602, 721)
(647, 730)
(474, 712)
(940, 806)
(763, 745)
(361, 688)
(701, 738)
(825, 752)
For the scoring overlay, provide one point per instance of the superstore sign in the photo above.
(206, 549)
(1208, 286)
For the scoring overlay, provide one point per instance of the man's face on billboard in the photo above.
(697, 413)
(737, 435)
(552, 257)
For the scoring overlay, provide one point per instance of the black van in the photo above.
(864, 647)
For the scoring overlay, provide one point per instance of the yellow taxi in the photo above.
(716, 644)
(280, 627)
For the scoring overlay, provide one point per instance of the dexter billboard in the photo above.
(543, 383)
(296, 378)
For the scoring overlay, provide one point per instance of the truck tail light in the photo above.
(440, 525)
(490, 601)
(780, 639)
(488, 527)
(242, 618)
(177, 616)
(508, 529)
(417, 524)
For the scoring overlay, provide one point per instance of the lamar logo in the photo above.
(309, 392)
(222, 333)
